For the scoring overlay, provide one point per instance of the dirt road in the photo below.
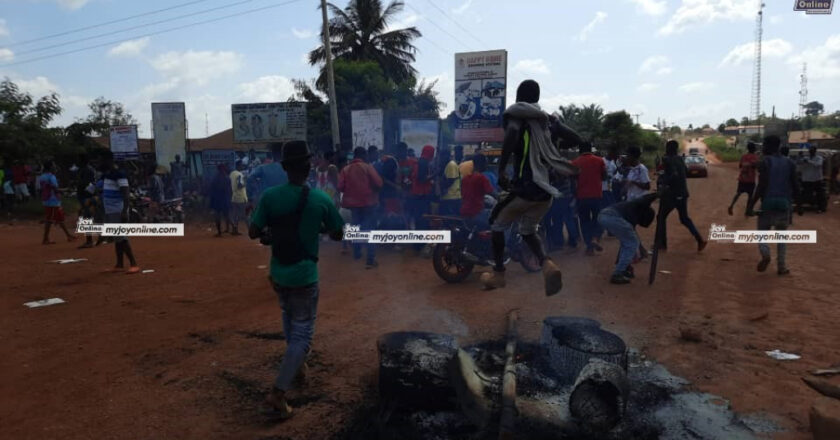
(187, 351)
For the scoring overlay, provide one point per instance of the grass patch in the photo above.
(724, 152)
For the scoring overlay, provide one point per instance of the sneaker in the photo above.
(553, 278)
(493, 280)
(762, 265)
(275, 406)
(619, 279)
(701, 245)
(629, 272)
(783, 271)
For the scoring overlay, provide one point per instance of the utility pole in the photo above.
(336, 138)
(636, 115)
(206, 126)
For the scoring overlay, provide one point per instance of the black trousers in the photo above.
(814, 192)
(668, 204)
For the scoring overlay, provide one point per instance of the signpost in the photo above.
(169, 127)
(480, 89)
(123, 141)
(211, 159)
(269, 122)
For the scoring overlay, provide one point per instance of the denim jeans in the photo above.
(366, 219)
(613, 222)
(588, 210)
(300, 305)
(561, 214)
(774, 220)
(668, 204)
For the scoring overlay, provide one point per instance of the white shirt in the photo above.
(638, 174)
(812, 168)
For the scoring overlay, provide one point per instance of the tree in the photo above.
(731, 122)
(587, 120)
(705, 126)
(814, 108)
(360, 32)
(745, 121)
(675, 130)
(620, 129)
(105, 113)
(23, 122)
(721, 128)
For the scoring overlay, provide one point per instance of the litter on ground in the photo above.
(44, 302)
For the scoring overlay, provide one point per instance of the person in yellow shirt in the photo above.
(238, 198)
(450, 190)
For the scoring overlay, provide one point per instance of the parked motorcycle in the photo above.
(169, 211)
(471, 245)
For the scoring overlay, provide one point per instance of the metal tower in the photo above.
(803, 90)
(755, 101)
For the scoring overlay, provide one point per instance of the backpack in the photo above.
(286, 245)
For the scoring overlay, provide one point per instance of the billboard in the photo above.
(417, 133)
(123, 141)
(211, 159)
(367, 128)
(169, 127)
(480, 85)
(269, 122)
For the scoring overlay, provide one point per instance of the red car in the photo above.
(697, 166)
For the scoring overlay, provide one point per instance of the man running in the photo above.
(528, 140)
(294, 215)
(115, 200)
(777, 185)
(675, 196)
(746, 178)
(50, 197)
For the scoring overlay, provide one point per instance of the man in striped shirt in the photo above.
(116, 201)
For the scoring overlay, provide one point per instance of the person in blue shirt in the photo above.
(50, 197)
(271, 174)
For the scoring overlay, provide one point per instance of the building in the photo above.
(740, 130)
(798, 139)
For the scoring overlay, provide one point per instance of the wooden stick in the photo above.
(507, 422)
(823, 387)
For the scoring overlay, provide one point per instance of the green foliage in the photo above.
(675, 131)
(731, 122)
(23, 130)
(620, 129)
(105, 113)
(814, 108)
(587, 121)
(721, 128)
(723, 151)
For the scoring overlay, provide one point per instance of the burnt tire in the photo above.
(449, 265)
(414, 370)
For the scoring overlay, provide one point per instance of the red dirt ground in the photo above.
(167, 355)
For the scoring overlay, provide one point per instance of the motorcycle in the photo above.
(169, 211)
(471, 245)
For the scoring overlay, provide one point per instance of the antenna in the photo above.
(755, 100)
(803, 90)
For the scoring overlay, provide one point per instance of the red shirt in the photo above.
(747, 166)
(592, 170)
(359, 182)
(473, 189)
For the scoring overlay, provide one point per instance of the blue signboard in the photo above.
(480, 85)
(211, 159)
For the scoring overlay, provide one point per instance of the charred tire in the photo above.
(449, 265)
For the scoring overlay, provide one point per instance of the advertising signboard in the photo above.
(123, 141)
(417, 133)
(169, 127)
(367, 128)
(211, 159)
(480, 86)
(269, 122)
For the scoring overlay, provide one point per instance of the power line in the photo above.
(249, 11)
(119, 31)
(457, 23)
(438, 26)
(120, 20)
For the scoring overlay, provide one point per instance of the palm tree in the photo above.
(360, 32)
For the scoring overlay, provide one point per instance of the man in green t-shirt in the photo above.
(295, 276)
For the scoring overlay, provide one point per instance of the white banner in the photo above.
(367, 128)
(169, 126)
(269, 122)
(124, 141)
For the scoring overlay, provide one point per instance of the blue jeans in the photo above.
(561, 214)
(613, 222)
(588, 210)
(778, 220)
(366, 219)
(300, 305)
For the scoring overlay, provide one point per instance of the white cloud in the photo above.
(303, 34)
(550, 103)
(532, 67)
(696, 12)
(823, 61)
(600, 16)
(129, 48)
(647, 87)
(650, 7)
(4, 30)
(197, 67)
(38, 86)
(6, 55)
(696, 87)
(463, 8)
(72, 4)
(271, 88)
(403, 22)
(776, 19)
(746, 52)
(658, 64)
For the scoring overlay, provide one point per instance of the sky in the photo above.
(684, 61)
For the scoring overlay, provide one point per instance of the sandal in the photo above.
(133, 270)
